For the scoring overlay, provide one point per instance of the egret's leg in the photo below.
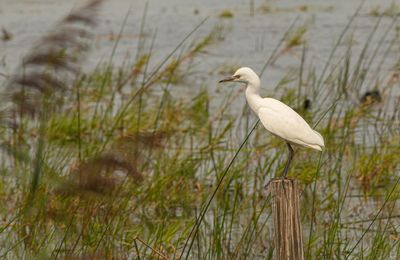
(291, 153)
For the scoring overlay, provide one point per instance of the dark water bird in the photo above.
(277, 117)
(306, 104)
(6, 35)
(304, 107)
(370, 97)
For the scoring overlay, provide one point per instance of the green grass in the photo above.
(154, 174)
(226, 14)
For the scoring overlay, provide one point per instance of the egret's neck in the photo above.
(253, 96)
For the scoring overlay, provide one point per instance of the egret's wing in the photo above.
(281, 120)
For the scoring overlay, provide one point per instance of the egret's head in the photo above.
(243, 75)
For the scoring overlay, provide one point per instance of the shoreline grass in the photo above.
(122, 168)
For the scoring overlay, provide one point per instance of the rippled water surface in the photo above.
(250, 35)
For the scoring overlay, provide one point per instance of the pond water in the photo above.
(250, 36)
(248, 39)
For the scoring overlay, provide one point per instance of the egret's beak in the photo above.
(228, 79)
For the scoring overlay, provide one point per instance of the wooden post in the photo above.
(286, 212)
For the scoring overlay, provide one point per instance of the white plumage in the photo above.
(277, 117)
(284, 122)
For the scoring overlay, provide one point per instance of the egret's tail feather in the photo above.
(315, 146)
(320, 142)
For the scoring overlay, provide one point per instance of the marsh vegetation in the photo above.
(138, 160)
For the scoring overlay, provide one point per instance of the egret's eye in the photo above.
(237, 76)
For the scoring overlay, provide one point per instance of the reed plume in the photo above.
(102, 174)
(50, 64)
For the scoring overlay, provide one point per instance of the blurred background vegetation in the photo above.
(110, 153)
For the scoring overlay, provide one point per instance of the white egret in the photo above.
(277, 118)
